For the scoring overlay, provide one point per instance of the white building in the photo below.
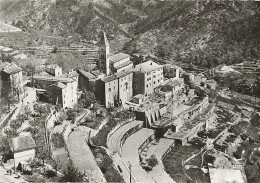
(23, 148)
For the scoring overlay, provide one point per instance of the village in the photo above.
(118, 121)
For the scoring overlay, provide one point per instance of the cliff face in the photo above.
(204, 33)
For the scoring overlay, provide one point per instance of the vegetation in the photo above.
(106, 165)
(72, 174)
(71, 115)
(152, 161)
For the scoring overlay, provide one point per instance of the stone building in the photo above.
(120, 62)
(171, 71)
(211, 84)
(54, 70)
(11, 78)
(57, 90)
(117, 88)
(147, 77)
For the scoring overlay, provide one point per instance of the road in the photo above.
(114, 140)
(158, 149)
(8, 178)
(82, 157)
(130, 154)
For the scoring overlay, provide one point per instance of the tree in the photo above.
(89, 98)
(152, 161)
(71, 115)
(15, 124)
(72, 174)
(4, 146)
(40, 109)
(27, 111)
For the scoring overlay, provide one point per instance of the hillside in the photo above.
(202, 33)
(205, 34)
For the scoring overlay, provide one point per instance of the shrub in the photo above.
(50, 173)
(152, 161)
(72, 174)
(71, 115)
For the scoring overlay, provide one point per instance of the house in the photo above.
(171, 71)
(117, 88)
(23, 148)
(147, 77)
(57, 90)
(91, 81)
(11, 78)
(211, 84)
(54, 70)
(176, 87)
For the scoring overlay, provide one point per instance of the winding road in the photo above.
(115, 139)
(130, 154)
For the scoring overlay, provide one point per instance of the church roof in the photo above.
(117, 57)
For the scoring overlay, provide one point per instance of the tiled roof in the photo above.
(61, 85)
(116, 76)
(10, 68)
(147, 67)
(117, 57)
(73, 74)
(23, 142)
(52, 78)
(52, 66)
(124, 64)
(87, 74)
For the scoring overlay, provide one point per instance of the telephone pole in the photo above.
(130, 167)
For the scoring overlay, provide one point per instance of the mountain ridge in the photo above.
(202, 33)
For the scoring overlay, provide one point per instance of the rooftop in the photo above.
(147, 66)
(52, 66)
(225, 175)
(52, 78)
(124, 64)
(115, 76)
(23, 142)
(117, 57)
(10, 68)
(60, 85)
(87, 74)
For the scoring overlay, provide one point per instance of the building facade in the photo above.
(147, 77)
(11, 79)
(117, 88)
(57, 90)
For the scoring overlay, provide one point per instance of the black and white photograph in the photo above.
(130, 91)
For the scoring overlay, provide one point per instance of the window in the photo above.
(135, 86)
(158, 80)
(154, 82)
(147, 86)
(109, 89)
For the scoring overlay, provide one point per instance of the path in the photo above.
(130, 154)
(8, 178)
(114, 141)
(158, 149)
(82, 157)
